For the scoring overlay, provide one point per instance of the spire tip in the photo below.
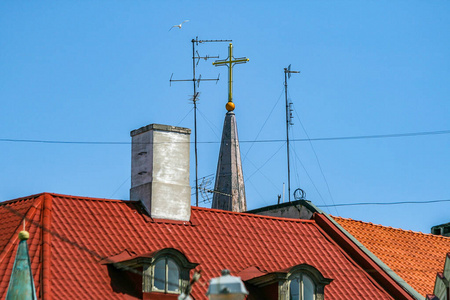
(24, 235)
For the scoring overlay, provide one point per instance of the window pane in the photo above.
(174, 276)
(308, 288)
(294, 289)
(160, 274)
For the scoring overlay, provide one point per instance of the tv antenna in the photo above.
(196, 83)
(289, 117)
(205, 186)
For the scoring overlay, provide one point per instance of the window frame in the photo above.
(166, 290)
(300, 276)
(316, 277)
(148, 273)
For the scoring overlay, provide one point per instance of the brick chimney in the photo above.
(160, 171)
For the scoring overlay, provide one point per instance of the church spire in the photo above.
(229, 189)
(21, 284)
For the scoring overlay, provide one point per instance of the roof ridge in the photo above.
(394, 228)
(66, 196)
(46, 244)
(89, 198)
(295, 220)
(34, 196)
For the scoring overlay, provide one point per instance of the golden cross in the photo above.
(230, 61)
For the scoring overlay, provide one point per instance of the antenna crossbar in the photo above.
(195, 80)
(212, 41)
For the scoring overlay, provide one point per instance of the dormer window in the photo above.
(166, 276)
(301, 287)
(305, 283)
(165, 271)
(300, 282)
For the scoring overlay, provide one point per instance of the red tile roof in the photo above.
(79, 233)
(414, 256)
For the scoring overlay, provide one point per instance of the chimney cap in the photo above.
(160, 127)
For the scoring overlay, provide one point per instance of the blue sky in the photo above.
(92, 71)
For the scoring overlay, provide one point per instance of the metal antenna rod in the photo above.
(196, 83)
(287, 73)
(194, 42)
(195, 123)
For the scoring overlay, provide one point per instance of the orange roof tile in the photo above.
(81, 232)
(414, 256)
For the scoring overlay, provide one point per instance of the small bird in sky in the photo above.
(179, 25)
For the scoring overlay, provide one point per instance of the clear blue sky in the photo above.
(95, 70)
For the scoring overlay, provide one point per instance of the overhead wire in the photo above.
(126, 180)
(210, 124)
(257, 191)
(265, 176)
(278, 150)
(307, 173)
(339, 138)
(317, 159)
(387, 203)
(264, 124)
(296, 172)
(185, 116)
(315, 154)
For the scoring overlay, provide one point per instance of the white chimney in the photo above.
(160, 171)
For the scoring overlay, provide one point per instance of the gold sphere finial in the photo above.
(230, 106)
(24, 235)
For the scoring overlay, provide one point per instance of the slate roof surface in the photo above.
(80, 232)
(414, 256)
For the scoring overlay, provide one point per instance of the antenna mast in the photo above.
(196, 84)
(289, 109)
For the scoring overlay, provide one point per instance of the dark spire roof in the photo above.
(229, 188)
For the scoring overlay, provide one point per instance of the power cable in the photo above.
(317, 159)
(265, 162)
(257, 191)
(359, 137)
(314, 185)
(265, 176)
(128, 178)
(386, 203)
(264, 124)
(209, 123)
(185, 116)
(296, 172)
